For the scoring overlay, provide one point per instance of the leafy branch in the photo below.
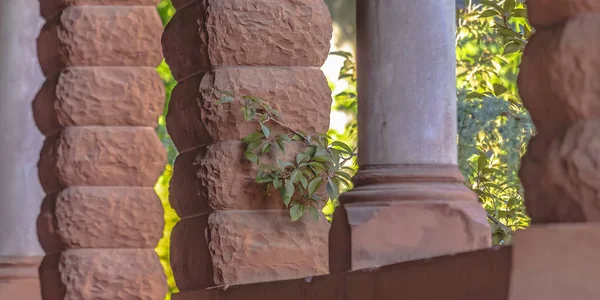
(292, 162)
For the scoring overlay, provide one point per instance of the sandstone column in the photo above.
(101, 218)
(557, 257)
(20, 191)
(409, 201)
(231, 231)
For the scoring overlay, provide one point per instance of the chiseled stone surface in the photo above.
(99, 96)
(300, 94)
(103, 274)
(556, 262)
(422, 229)
(100, 217)
(549, 12)
(106, 36)
(185, 42)
(49, 8)
(219, 177)
(268, 33)
(183, 118)
(101, 156)
(561, 173)
(189, 255)
(559, 75)
(182, 3)
(250, 246)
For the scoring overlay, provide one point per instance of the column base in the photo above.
(404, 213)
(19, 278)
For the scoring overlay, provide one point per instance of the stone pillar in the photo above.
(558, 83)
(231, 231)
(98, 108)
(21, 193)
(409, 200)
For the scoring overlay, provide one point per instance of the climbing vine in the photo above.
(294, 163)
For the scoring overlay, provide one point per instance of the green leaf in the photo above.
(342, 54)
(303, 180)
(277, 183)
(519, 12)
(285, 137)
(280, 145)
(509, 5)
(511, 48)
(294, 176)
(253, 146)
(297, 137)
(287, 192)
(333, 189)
(302, 157)
(499, 89)
(482, 162)
(296, 212)
(489, 13)
(314, 185)
(491, 4)
(265, 148)
(314, 212)
(323, 158)
(317, 166)
(343, 146)
(344, 175)
(252, 157)
(253, 137)
(265, 130)
(225, 98)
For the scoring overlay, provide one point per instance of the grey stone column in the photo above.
(409, 200)
(20, 143)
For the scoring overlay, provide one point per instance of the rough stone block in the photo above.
(105, 217)
(422, 229)
(185, 43)
(50, 8)
(99, 96)
(219, 177)
(560, 71)
(301, 94)
(184, 187)
(103, 274)
(556, 262)
(178, 4)
(104, 36)
(548, 12)
(101, 156)
(561, 175)
(247, 246)
(184, 118)
(268, 33)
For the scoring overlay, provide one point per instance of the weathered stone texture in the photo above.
(103, 274)
(423, 229)
(99, 96)
(101, 156)
(268, 33)
(218, 177)
(185, 42)
(556, 262)
(107, 36)
(248, 246)
(183, 120)
(49, 8)
(561, 174)
(300, 94)
(178, 4)
(549, 12)
(100, 217)
(559, 75)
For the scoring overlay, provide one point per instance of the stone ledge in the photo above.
(233, 247)
(100, 217)
(422, 229)
(99, 96)
(556, 262)
(468, 276)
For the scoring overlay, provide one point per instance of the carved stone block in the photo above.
(551, 12)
